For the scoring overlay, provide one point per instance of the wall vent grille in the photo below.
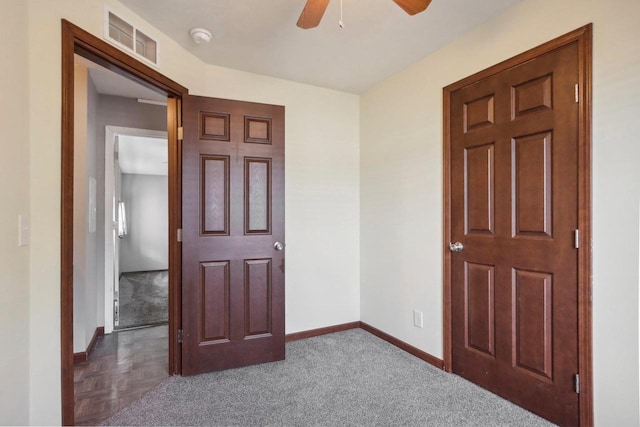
(129, 38)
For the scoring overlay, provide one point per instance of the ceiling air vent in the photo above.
(127, 37)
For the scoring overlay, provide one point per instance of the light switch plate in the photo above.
(24, 230)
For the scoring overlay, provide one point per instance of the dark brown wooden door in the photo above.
(233, 214)
(514, 207)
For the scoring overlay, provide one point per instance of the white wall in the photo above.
(146, 245)
(322, 184)
(14, 193)
(401, 184)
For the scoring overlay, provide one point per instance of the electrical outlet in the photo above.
(418, 319)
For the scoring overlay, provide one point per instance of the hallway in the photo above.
(123, 366)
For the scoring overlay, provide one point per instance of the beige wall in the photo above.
(322, 185)
(14, 196)
(401, 184)
(321, 192)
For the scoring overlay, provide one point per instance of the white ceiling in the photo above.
(142, 155)
(261, 36)
(109, 83)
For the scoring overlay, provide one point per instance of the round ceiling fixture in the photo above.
(200, 35)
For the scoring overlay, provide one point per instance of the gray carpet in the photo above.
(347, 378)
(144, 299)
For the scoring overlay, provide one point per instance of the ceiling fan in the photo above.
(314, 9)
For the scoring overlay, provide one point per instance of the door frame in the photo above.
(76, 40)
(583, 38)
(111, 133)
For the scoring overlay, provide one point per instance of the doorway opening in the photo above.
(136, 238)
(121, 260)
(83, 216)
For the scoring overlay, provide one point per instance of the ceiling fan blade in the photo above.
(312, 13)
(413, 7)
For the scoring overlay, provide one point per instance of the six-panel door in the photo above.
(233, 214)
(514, 145)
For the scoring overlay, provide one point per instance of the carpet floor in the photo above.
(143, 299)
(347, 378)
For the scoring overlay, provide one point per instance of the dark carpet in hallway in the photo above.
(346, 378)
(143, 299)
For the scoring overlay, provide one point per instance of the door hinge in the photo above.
(180, 334)
(180, 133)
(179, 235)
(576, 239)
(577, 92)
(576, 381)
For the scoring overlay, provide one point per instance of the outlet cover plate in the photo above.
(418, 321)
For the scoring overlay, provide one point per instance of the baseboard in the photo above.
(321, 331)
(143, 271)
(432, 360)
(84, 355)
(80, 357)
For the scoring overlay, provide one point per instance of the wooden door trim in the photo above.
(583, 37)
(76, 40)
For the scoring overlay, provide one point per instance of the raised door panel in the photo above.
(479, 113)
(257, 195)
(532, 317)
(214, 126)
(531, 96)
(479, 188)
(532, 185)
(257, 130)
(479, 308)
(258, 297)
(215, 195)
(214, 310)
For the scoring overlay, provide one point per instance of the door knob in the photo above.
(278, 246)
(456, 247)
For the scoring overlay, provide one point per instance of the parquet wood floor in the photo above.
(123, 366)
